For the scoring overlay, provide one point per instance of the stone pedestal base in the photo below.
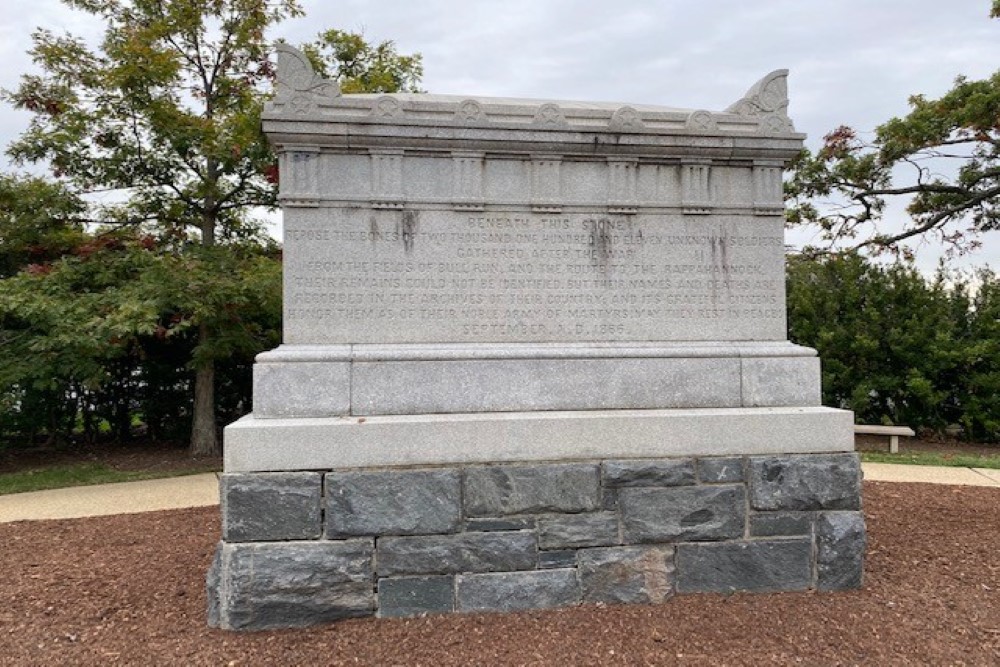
(327, 541)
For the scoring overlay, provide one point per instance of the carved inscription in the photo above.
(436, 276)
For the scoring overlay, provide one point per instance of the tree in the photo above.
(943, 158)
(165, 114)
(360, 67)
(102, 334)
(898, 348)
(39, 221)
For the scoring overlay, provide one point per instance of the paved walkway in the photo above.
(121, 498)
(203, 490)
(894, 472)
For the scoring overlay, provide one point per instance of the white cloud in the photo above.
(852, 62)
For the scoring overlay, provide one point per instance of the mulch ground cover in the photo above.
(141, 457)
(130, 590)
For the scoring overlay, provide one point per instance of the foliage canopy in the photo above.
(943, 157)
(897, 348)
(154, 139)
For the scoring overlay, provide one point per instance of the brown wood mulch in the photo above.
(129, 590)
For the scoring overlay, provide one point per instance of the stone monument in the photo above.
(534, 355)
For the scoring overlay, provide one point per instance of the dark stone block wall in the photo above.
(310, 547)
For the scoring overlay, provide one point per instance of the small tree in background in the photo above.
(897, 348)
(943, 158)
(360, 67)
(165, 114)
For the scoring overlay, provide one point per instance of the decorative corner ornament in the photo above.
(297, 86)
(767, 100)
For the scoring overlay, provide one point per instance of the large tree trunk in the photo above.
(204, 440)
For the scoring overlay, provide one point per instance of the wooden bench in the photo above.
(892, 431)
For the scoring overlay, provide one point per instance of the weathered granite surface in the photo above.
(573, 531)
(761, 566)
(416, 596)
(627, 575)
(275, 585)
(315, 444)
(662, 472)
(271, 506)
(720, 469)
(527, 536)
(840, 545)
(403, 502)
(503, 489)
(674, 514)
(534, 354)
(464, 552)
(515, 591)
(831, 482)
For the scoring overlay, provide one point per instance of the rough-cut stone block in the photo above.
(684, 513)
(668, 472)
(720, 470)
(487, 524)
(502, 490)
(548, 560)
(817, 482)
(212, 589)
(578, 530)
(297, 389)
(840, 549)
(514, 591)
(464, 552)
(626, 574)
(761, 566)
(779, 382)
(277, 585)
(780, 524)
(409, 502)
(413, 596)
(270, 507)
(609, 499)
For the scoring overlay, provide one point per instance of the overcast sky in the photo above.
(852, 62)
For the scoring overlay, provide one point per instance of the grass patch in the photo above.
(77, 474)
(934, 459)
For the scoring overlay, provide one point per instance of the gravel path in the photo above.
(129, 590)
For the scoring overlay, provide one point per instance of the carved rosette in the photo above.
(701, 121)
(387, 107)
(386, 178)
(470, 112)
(550, 115)
(626, 119)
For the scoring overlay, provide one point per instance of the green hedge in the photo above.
(898, 348)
